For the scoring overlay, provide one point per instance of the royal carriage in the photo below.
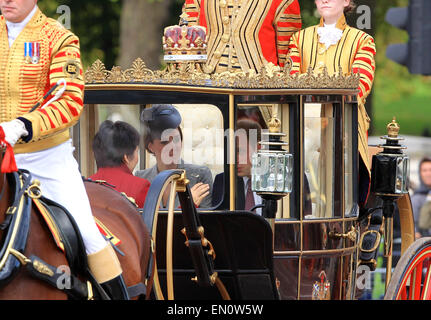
(311, 238)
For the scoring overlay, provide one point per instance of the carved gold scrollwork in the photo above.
(97, 73)
(192, 73)
(138, 72)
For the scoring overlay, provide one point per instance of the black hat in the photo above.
(159, 118)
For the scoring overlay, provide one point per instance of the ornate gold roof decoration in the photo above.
(189, 73)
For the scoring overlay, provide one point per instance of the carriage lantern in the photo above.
(391, 166)
(272, 167)
(389, 177)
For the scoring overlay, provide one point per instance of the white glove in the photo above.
(13, 130)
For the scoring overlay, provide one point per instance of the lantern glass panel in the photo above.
(403, 169)
(272, 172)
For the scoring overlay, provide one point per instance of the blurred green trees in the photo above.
(96, 22)
(396, 91)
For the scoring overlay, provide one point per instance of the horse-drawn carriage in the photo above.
(310, 246)
(307, 240)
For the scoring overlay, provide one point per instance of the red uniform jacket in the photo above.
(259, 33)
(124, 181)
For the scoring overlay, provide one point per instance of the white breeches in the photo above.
(60, 181)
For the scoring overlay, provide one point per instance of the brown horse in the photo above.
(112, 209)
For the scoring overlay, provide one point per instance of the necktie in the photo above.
(249, 198)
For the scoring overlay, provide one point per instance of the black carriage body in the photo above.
(304, 251)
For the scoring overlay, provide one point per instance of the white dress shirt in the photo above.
(329, 34)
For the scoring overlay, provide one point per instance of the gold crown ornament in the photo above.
(393, 129)
(183, 44)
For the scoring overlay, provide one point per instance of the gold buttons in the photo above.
(225, 38)
(322, 51)
(225, 20)
(222, 4)
(217, 54)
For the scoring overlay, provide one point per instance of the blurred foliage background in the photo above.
(118, 31)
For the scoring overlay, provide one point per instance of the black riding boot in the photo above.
(116, 288)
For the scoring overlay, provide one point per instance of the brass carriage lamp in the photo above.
(272, 169)
(389, 178)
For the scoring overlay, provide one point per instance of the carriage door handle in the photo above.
(351, 235)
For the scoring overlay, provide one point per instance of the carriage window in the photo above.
(203, 135)
(126, 113)
(318, 160)
(202, 149)
(256, 117)
(202, 128)
(90, 120)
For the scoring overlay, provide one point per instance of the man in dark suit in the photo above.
(248, 135)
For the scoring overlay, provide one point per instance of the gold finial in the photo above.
(393, 129)
(274, 125)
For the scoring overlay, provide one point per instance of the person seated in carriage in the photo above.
(163, 138)
(246, 199)
(37, 54)
(335, 46)
(115, 148)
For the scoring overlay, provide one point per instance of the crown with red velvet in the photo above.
(184, 42)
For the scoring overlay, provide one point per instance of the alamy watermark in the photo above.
(65, 16)
(363, 22)
(213, 142)
(64, 281)
(363, 278)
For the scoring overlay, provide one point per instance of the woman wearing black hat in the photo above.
(163, 138)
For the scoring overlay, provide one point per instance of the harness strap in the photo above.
(68, 283)
(21, 182)
(136, 290)
(370, 240)
(17, 227)
(150, 279)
